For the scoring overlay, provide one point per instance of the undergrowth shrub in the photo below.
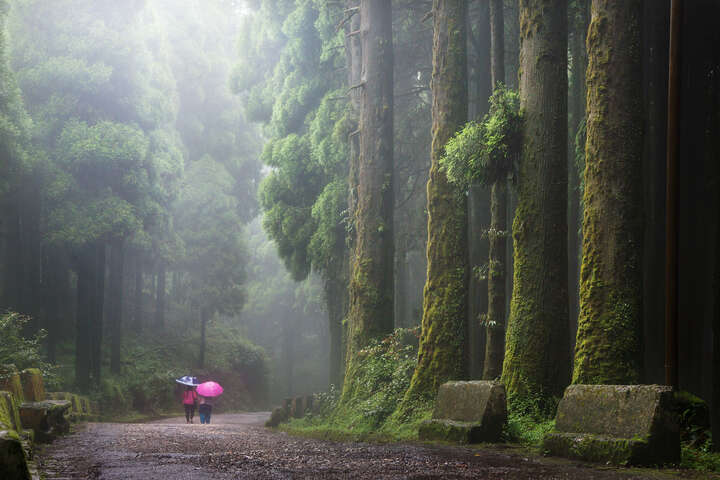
(381, 375)
(530, 417)
(22, 351)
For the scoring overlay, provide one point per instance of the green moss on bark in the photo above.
(537, 343)
(608, 348)
(442, 354)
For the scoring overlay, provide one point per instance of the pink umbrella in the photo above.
(209, 389)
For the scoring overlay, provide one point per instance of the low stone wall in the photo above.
(81, 408)
(48, 419)
(33, 387)
(14, 451)
(467, 412)
(619, 424)
(10, 381)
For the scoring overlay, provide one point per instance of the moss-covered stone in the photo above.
(13, 464)
(10, 381)
(451, 431)
(467, 412)
(27, 438)
(47, 418)
(32, 382)
(9, 413)
(278, 416)
(621, 424)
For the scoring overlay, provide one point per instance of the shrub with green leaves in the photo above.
(485, 152)
(21, 351)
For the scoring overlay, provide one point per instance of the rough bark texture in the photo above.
(608, 348)
(371, 277)
(495, 348)
(579, 18)
(115, 302)
(442, 353)
(537, 351)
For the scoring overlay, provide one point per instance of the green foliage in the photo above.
(700, 458)
(22, 351)
(379, 380)
(296, 96)
(485, 152)
(530, 417)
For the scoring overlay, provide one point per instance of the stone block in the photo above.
(467, 412)
(620, 424)
(9, 413)
(278, 416)
(10, 381)
(32, 382)
(47, 418)
(13, 464)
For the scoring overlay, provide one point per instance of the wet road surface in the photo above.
(237, 446)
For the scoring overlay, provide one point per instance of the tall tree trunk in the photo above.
(608, 348)
(97, 300)
(656, 38)
(13, 257)
(138, 293)
(512, 42)
(160, 297)
(115, 302)
(204, 317)
(57, 288)
(84, 315)
(537, 353)
(371, 279)
(495, 348)
(579, 18)
(443, 345)
(479, 203)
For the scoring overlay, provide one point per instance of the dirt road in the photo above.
(238, 447)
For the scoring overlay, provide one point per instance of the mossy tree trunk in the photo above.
(537, 355)
(442, 352)
(495, 348)
(579, 17)
(371, 276)
(608, 347)
(478, 195)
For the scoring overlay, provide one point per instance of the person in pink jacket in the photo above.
(190, 397)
